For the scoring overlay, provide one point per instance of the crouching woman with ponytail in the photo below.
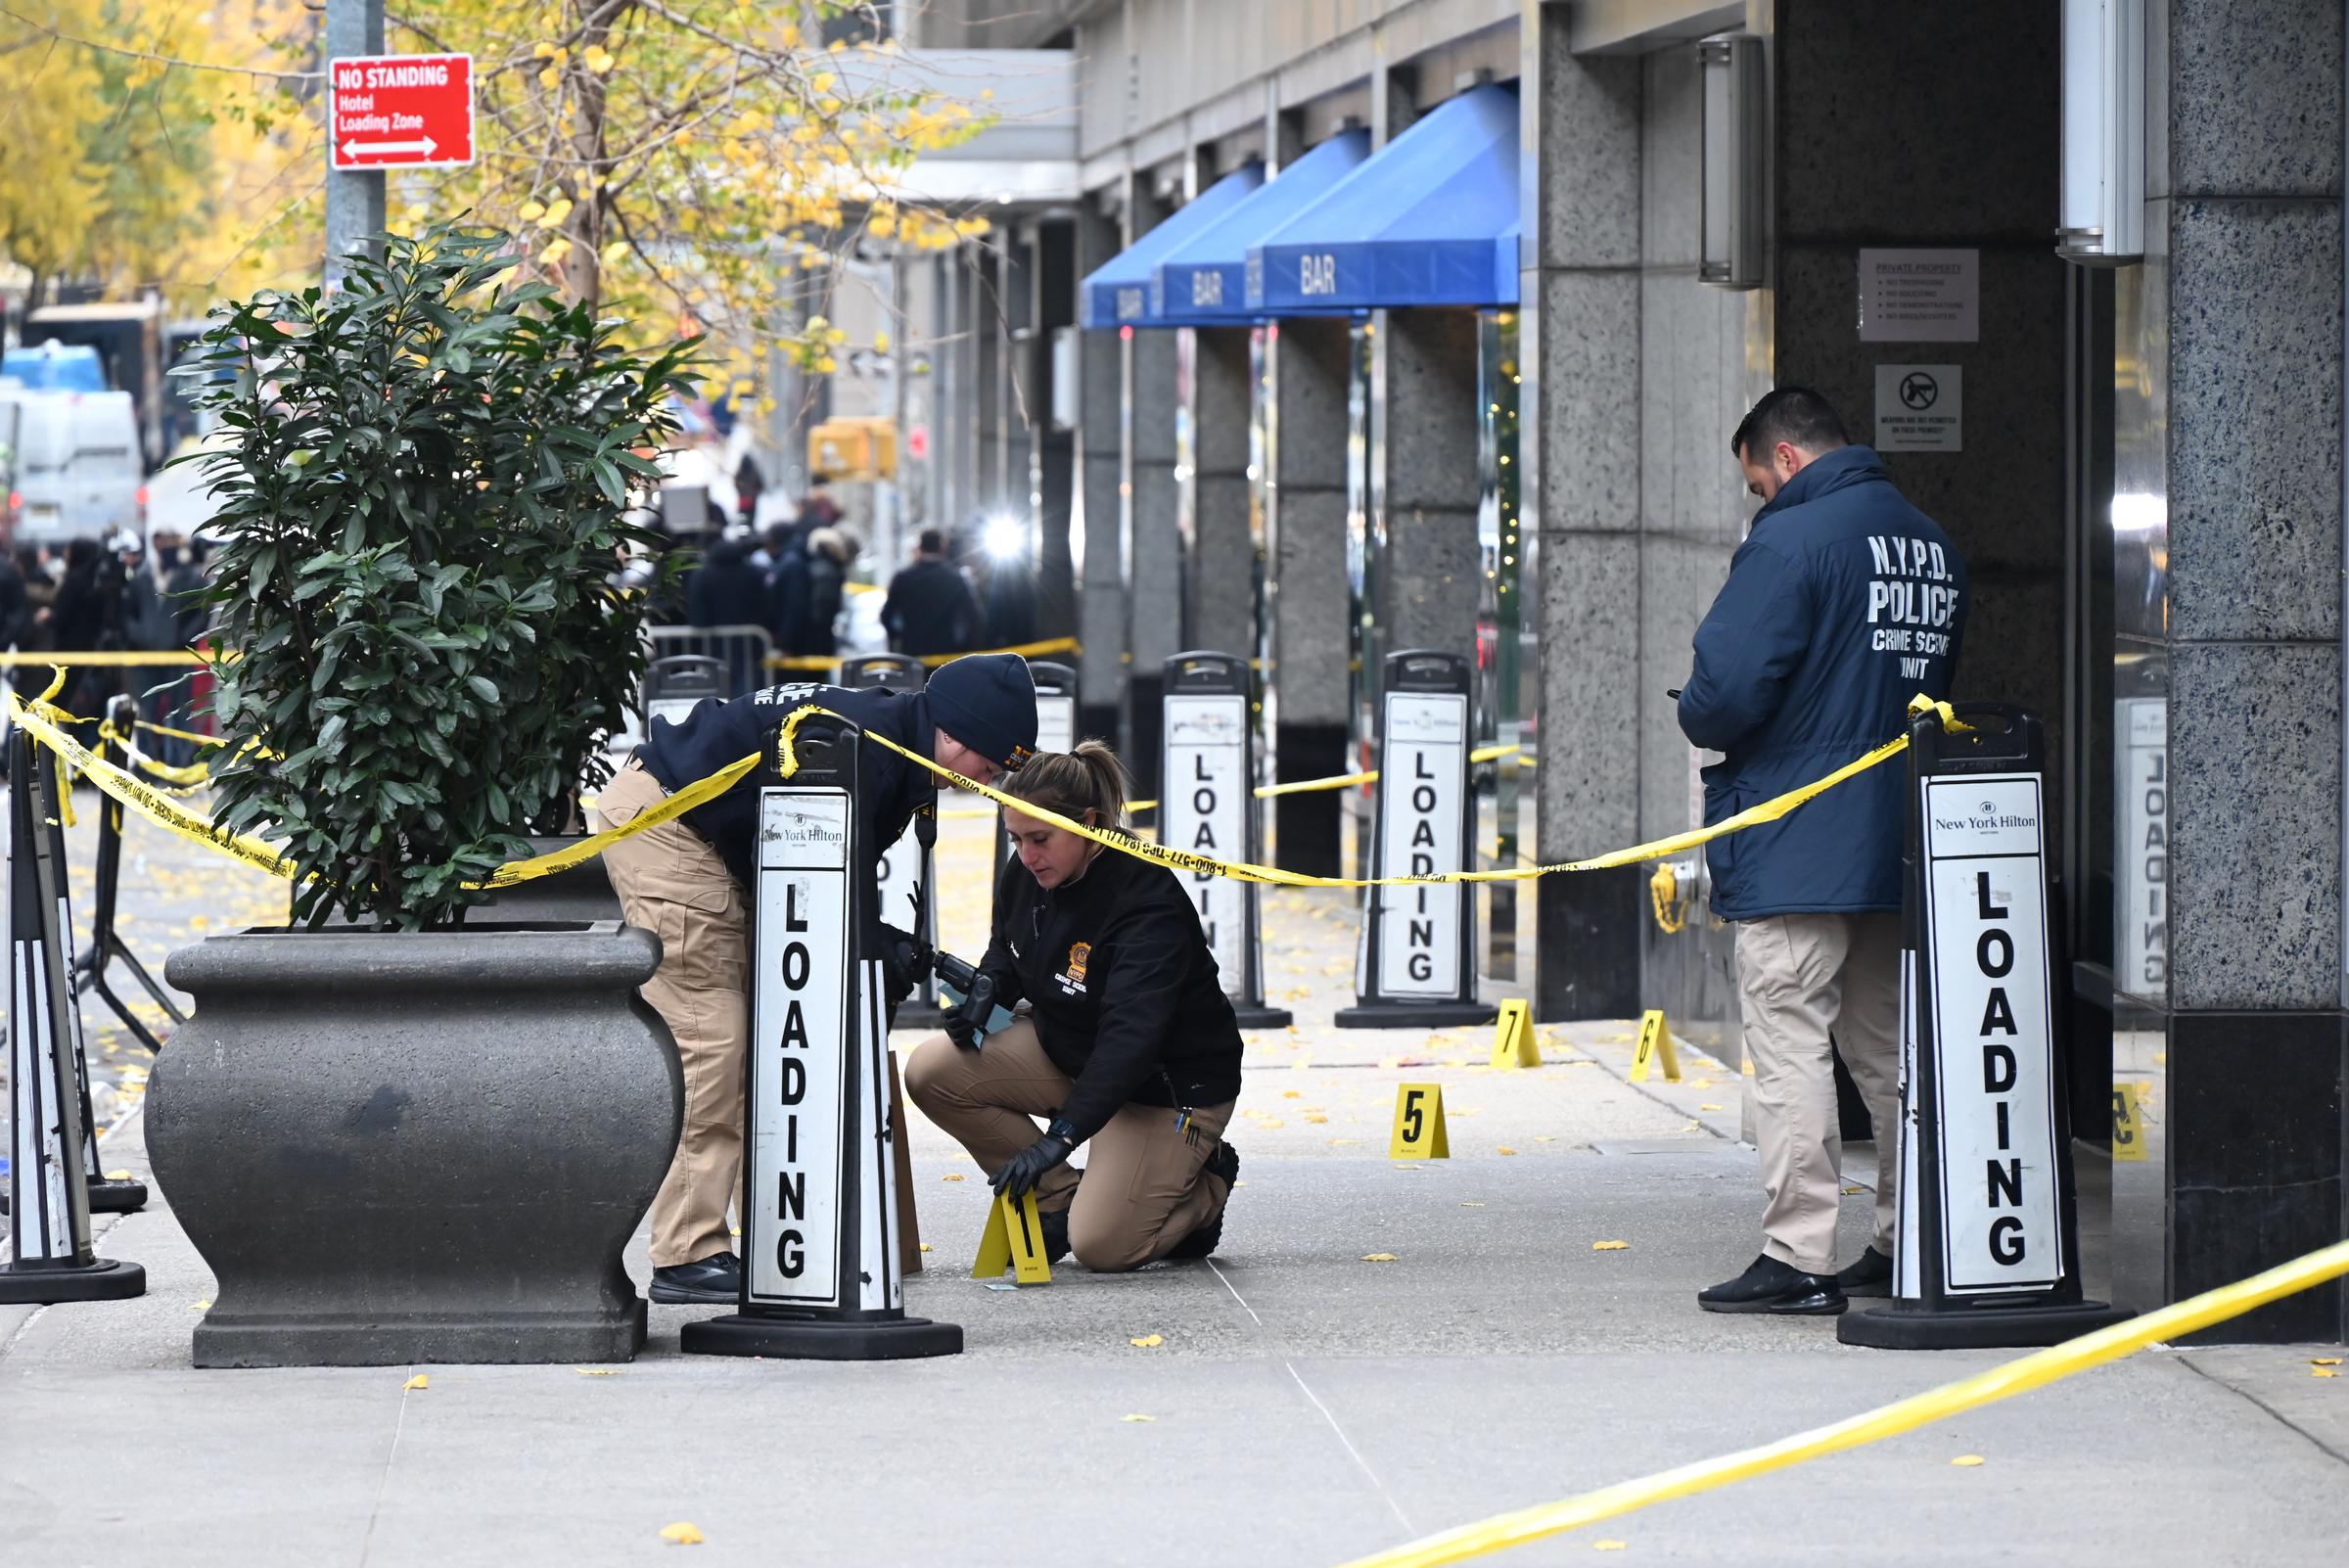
(1128, 1044)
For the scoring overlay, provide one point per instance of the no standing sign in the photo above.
(400, 110)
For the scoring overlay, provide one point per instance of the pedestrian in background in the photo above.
(930, 609)
(831, 552)
(1843, 603)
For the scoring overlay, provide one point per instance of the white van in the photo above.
(75, 469)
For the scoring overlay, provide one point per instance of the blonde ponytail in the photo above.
(1089, 778)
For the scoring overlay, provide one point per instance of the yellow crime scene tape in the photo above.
(112, 659)
(1770, 811)
(159, 807)
(2002, 1382)
(1335, 781)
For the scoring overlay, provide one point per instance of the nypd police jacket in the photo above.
(1843, 602)
(889, 789)
(1122, 986)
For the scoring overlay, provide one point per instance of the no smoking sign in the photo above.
(1920, 408)
(401, 112)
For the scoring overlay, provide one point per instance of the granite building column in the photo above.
(1220, 570)
(1100, 463)
(1309, 364)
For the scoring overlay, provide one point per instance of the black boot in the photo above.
(1869, 1274)
(1224, 1165)
(1054, 1224)
(1771, 1286)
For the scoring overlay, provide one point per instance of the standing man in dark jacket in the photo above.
(1842, 604)
(929, 608)
(687, 880)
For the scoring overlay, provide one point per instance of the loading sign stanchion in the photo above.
(1988, 1251)
(50, 1155)
(106, 946)
(820, 1279)
(1416, 964)
(1210, 804)
(1055, 731)
(908, 867)
(673, 685)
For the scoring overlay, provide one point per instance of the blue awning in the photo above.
(1424, 221)
(1117, 293)
(1204, 281)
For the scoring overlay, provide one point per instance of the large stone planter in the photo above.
(419, 1147)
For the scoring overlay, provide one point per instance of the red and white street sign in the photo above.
(400, 110)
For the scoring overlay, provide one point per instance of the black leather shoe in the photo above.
(1869, 1274)
(1224, 1165)
(1771, 1286)
(1054, 1224)
(713, 1281)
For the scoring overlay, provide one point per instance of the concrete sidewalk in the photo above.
(1308, 1405)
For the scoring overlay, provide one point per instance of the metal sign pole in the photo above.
(1055, 731)
(50, 1255)
(1988, 1245)
(107, 945)
(912, 862)
(1209, 805)
(821, 1265)
(1417, 965)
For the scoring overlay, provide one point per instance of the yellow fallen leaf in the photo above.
(1317, 1119)
(2322, 1371)
(1847, 1191)
(117, 1176)
(1148, 1342)
(1271, 1121)
(1292, 1094)
(201, 1305)
(925, 1246)
(1137, 1418)
(1606, 1546)
(951, 1175)
(418, 1381)
(1610, 1246)
(682, 1534)
(1378, 1257)
(2325, 1360)
(1239, 1185)
(1467, 1205)
(1544, 1137)
(1708, 1107)
(1504, 1149)
(1966, 1462)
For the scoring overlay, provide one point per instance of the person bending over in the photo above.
(1129, 1042)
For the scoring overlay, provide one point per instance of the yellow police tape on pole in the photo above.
(160, 807)
(2018, 1376)
(1770, 811)
(113, 657)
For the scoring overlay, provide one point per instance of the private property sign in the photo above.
(400, 110)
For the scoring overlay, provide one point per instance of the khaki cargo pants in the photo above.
(1145, 1189)
(672, 882)
(1801, 977)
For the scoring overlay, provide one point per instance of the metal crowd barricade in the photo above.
(742, 650)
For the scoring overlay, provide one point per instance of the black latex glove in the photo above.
(1020, 1176)
(962, 1031)
(901, 960)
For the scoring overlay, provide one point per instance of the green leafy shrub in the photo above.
(422, 497)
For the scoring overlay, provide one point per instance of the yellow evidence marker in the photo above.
(1014, 1240)
(2128, 1122)
(1419, 1132)
(1513, 1036)
(1655, 1039)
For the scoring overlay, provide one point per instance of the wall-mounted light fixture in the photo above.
(2103, 219)
(1731, 65)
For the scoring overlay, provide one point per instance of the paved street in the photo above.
(1306, 1405)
